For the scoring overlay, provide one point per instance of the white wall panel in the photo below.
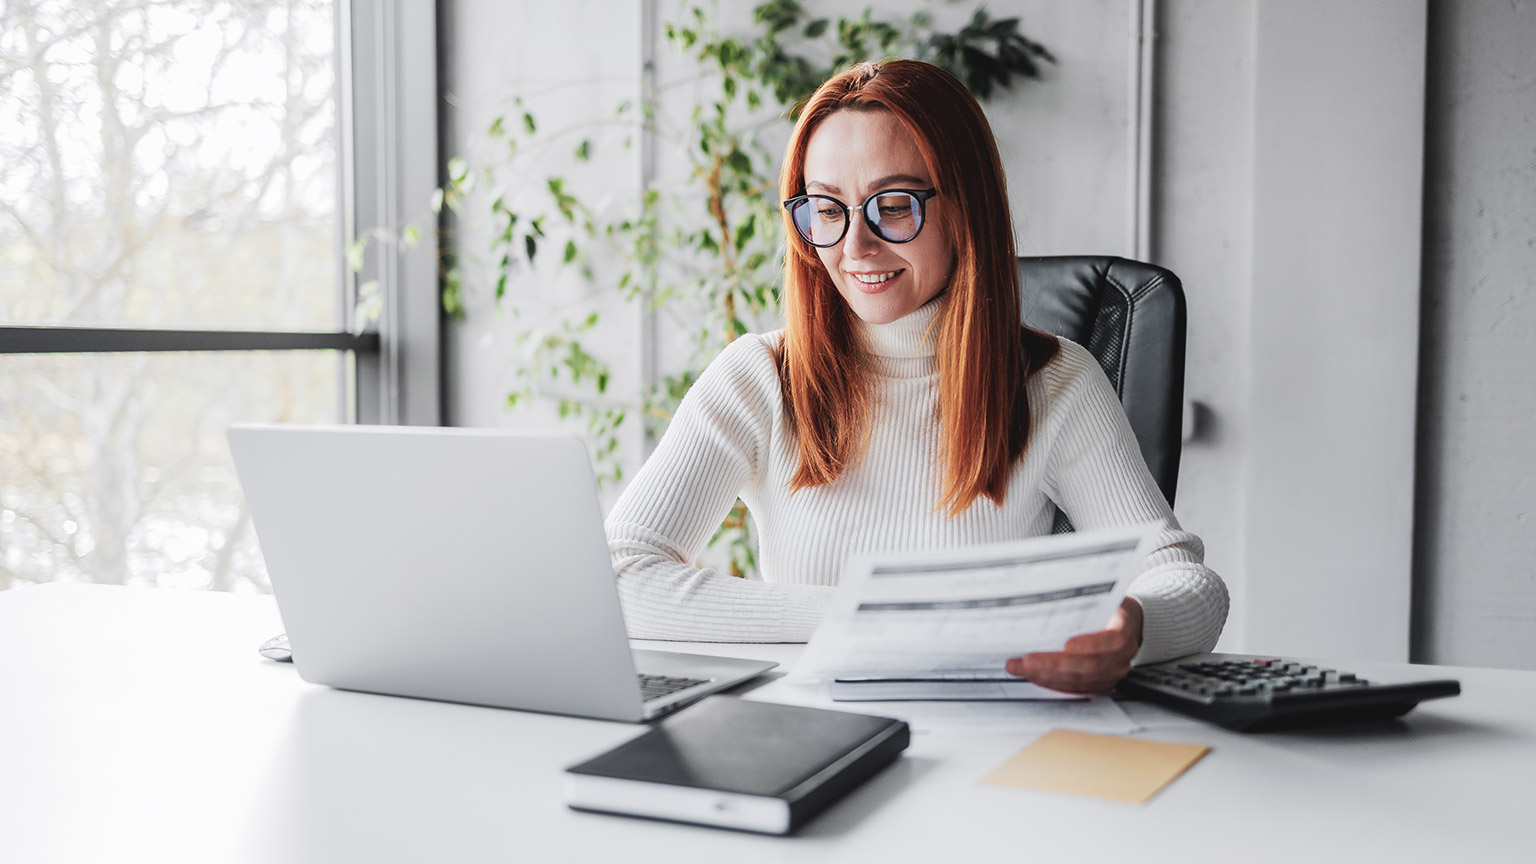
(1293, 146)
(1202, 230)
(1338, 178)
(573, 62)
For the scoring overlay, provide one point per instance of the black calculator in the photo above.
(1253, 693)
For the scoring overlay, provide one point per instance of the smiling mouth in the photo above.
(874, 280)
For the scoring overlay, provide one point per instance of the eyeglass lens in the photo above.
(894, 216)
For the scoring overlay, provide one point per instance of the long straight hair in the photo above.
(984, 353)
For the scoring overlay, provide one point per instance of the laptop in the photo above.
(463, 565)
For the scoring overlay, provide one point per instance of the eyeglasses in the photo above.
(895, 215)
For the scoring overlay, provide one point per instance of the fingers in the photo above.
(1090, 663)
(1072, 672)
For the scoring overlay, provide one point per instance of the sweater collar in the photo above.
(908, 346)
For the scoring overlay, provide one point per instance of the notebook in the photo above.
(463, 565)
(733, 763)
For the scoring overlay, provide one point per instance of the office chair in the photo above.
(1130, 316)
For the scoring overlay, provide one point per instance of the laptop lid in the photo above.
(465, 565)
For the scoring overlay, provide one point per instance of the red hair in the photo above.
(984, 353)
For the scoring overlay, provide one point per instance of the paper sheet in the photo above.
(1100, 766)
(962, 613)
(938, 718)
(990, 689)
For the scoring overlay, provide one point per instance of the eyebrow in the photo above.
(882, 183)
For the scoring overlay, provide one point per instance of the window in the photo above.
(177, 182)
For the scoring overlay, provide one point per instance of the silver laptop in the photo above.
(464, 565)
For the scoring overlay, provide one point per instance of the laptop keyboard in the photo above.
(657, 686)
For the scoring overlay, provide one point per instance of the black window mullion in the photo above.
(91, 340)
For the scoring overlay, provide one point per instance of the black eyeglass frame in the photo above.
(922, 196)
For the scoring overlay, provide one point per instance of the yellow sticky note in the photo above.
(1101, 766)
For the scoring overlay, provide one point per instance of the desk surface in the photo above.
(140, 724)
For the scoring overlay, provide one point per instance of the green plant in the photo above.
(707, 252)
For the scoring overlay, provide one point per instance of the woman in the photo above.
(902, 406)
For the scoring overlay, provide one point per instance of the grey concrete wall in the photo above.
(1475, 577)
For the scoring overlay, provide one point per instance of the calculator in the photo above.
(1252, 693)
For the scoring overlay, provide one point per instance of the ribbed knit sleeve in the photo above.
(712, 449)
(1097, 476)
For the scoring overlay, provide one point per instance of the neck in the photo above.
(908, 346)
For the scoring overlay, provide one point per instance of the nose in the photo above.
(860, 241)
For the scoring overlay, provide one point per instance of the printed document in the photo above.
(942, 625)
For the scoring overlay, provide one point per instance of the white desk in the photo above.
(140, 725)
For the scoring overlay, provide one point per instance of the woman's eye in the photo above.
(895, 211)
(828, 214)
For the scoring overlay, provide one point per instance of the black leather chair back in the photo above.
(1130, 316)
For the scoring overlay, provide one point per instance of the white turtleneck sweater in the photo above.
(729, 440)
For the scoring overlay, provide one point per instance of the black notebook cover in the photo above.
(805, 758)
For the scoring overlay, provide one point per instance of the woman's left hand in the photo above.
(1090, 663)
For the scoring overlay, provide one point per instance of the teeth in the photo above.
(874, 278)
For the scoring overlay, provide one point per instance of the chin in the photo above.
(879, 311)
(876, 316)
(882, 312)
